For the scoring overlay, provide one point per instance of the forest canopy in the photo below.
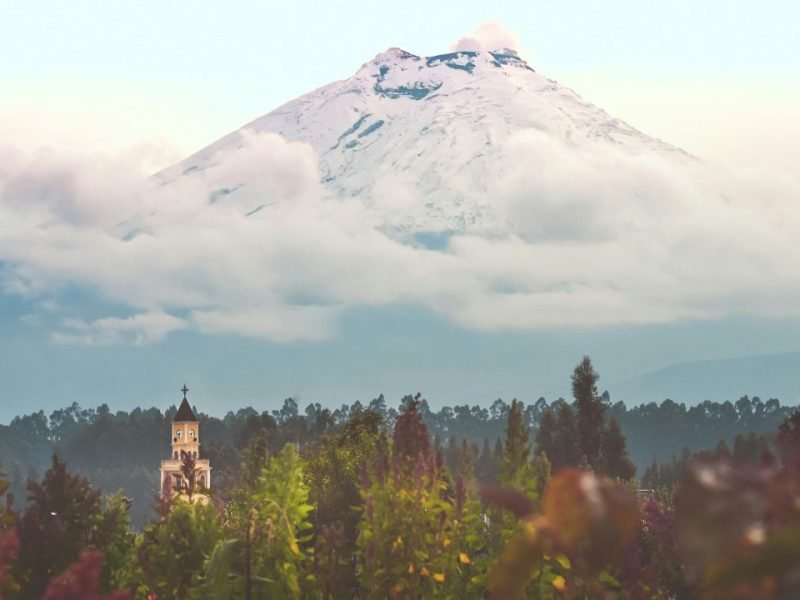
(370, 501)
(122, 450)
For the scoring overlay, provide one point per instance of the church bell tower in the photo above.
(185, 450)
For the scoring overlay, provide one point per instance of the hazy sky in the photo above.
(717, 77)
(113, 86)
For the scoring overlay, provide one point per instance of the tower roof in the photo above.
(185, 412)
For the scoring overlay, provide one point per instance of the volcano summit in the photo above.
(424, 142)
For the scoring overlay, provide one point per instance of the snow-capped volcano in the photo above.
(421, 141)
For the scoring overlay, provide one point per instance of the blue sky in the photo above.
(158, 80)
(185, 40)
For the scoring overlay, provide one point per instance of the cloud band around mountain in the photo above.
(587, 237)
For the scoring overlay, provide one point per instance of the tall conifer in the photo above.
(517, 446)
(591, 413)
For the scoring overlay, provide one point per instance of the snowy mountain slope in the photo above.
(432, 129)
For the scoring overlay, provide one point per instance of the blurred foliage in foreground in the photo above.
(379, 508)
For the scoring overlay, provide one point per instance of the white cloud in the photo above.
(280, 323)
(490, 35)
(589, 236)
(78, 190)
(272, 168)
(138, 330)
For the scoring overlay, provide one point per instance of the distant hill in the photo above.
(766, 376)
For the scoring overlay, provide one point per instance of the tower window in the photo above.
(191, 433)
(178, 434)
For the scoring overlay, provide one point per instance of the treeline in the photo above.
(371, 508)
(122, 450)
(661, 430)
(751, 449)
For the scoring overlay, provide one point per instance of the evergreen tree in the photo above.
(591, 413)
(466, 462)
(542, 469)
(437, 445)
(750, 448)
(568, 452)
(485, 470)
(59, 522)
(615, 453)
(452, 454)
(410, 437)
(254, 458)
(517, 444)
(651, 478)
(546, 438)
(497, 457)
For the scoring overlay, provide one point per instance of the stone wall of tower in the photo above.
(185, 438)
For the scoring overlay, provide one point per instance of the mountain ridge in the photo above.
(716, 379)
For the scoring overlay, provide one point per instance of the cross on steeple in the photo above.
(184, 389)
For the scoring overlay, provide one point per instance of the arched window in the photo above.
(191, 433)
(176, 455)
(203, 480)
(178, 434)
